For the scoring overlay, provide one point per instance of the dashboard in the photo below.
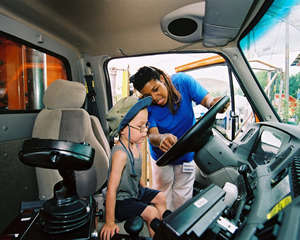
(269, 189)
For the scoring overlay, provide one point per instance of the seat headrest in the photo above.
(64, 94)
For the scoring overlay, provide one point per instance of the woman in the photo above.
(170, 116)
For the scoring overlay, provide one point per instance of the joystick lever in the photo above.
(244, 170)
(133, 226)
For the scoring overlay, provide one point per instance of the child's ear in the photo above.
(123, 130)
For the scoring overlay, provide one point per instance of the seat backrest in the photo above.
(63, 119)
(100, 135)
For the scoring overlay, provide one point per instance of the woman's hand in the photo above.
(210, 101)
(167, 141)
(215, 100)
(108, 230)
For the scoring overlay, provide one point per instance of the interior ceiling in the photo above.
(97, 27)
(101, 27)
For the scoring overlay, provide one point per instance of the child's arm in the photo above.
(118, 163)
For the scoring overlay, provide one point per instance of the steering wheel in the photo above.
(196, 136)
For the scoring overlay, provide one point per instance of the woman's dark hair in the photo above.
(146, 74)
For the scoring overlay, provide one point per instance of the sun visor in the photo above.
(185, 23)
(222, 23)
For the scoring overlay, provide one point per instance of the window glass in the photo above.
(25, 73)
(210, 70)
(273, 52)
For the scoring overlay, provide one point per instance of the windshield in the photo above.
(210, 70)
(272, 49)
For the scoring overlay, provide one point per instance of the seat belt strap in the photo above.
(91, 96)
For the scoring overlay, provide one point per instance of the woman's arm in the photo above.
(198, 93)
(119, 159)
(208, 101)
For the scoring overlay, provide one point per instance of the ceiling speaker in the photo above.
(185, 23)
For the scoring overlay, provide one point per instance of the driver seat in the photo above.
(64, 119)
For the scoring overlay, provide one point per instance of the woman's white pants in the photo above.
(176, 184)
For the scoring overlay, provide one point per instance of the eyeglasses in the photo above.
(142, 129)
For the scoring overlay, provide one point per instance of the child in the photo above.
(125, 197)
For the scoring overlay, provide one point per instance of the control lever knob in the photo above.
(244, 170)
(133, 226)
(155, 223)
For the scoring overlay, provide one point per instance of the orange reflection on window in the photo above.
(25, 73)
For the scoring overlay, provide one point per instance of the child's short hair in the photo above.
(124, 111)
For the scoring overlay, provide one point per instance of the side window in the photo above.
(241, 114)
(120, 86)
(214, 74)
(25, 73)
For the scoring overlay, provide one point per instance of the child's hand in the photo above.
(108, 230)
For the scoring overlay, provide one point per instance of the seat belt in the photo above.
(91, 96)
(91, 103)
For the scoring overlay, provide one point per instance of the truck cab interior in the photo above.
(64, 64)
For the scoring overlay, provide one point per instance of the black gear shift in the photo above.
(244, 170)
